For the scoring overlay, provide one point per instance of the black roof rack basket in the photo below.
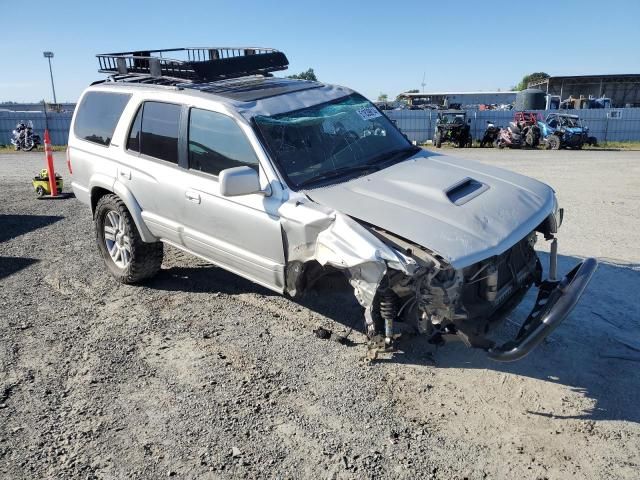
(195, 64)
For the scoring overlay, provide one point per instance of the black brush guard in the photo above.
(555, 301)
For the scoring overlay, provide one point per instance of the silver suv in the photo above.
(282, 181)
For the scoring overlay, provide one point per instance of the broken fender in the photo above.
(314, 232)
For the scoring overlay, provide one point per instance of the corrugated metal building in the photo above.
(464, 98)
(623, 90)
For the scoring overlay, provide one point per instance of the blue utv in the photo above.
(561, 130)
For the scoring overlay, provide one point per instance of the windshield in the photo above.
(570, 122)
(451, 119)
(332, 141)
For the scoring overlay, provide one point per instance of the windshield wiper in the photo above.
(373, 165)
(394, 155)
(340, 172)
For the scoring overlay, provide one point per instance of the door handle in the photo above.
(192, 196)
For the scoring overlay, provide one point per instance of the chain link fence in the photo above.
(59, 124)
(607, 124)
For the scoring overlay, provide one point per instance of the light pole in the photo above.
(49, 56)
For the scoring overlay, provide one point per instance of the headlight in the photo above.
(555, 219)
(552, 223)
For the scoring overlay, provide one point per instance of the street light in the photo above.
(49, 56)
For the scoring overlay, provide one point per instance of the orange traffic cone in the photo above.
(49, 155)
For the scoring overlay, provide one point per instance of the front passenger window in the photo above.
(216, 142)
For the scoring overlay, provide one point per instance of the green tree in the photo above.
(308, 75)
(532, 77)
(383, 97)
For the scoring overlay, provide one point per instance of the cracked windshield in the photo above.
(333, 141)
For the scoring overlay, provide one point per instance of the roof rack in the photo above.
(195, 65)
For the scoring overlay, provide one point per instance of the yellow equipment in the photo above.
(41, 183)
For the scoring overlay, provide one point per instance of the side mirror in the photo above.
(239, 181)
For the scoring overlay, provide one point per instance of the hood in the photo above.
(462, 210)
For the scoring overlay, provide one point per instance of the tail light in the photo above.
(69, 162)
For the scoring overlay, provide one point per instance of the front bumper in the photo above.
(555, 301)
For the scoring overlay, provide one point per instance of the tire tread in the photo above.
(146, 258)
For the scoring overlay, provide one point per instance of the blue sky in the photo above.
(373, 46)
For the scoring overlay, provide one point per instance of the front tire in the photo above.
(553, 142)
(128, 258)
(28, 145)
(437, 140)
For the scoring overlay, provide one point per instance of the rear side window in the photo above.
(98, 115)
(160, 128)
(216, 142)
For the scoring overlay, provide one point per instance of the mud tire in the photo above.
(146, 258)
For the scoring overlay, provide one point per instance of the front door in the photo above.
(241, 234)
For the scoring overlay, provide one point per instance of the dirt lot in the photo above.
(201, 374)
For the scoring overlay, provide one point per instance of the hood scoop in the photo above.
(465, 190)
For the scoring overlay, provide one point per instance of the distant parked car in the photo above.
(561, 130)
(452, 126)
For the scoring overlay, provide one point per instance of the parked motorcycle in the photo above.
(490, 135)
(528, 124)
(531, 134)
(510, 137)
(24, 138)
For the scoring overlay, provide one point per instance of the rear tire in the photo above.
(128, 258)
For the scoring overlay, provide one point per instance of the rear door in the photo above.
(153, 170)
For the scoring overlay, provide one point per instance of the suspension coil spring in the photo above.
(388, 305)
(388, 312)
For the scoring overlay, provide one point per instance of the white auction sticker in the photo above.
(368, 113)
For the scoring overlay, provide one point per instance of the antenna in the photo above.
(423, 84)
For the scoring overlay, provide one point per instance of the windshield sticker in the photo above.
(368, 113)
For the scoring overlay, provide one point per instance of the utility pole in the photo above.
(49, 56)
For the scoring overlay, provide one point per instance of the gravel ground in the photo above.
(201, 374)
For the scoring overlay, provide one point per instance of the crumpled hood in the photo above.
(463, 210)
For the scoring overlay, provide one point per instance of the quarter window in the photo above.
(98, 115)
(160, 128)
(216, 142)
(133, 142)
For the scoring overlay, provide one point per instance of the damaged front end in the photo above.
(396, 280)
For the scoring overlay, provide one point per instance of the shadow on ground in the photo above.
(596, 351)
(11, 265)
(12, 226)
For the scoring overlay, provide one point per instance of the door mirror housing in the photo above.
(239, 181)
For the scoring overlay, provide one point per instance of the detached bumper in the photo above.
(554, 303)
